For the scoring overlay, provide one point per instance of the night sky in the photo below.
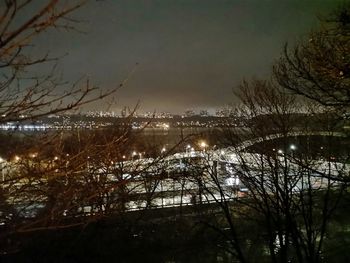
(191, 53)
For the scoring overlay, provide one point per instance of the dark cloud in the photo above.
(191, 52)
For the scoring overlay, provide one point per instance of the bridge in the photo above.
(186, 191)
(248, 143)
(172, 181)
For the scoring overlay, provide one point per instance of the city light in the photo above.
(33, 155)
(188, 148)
(292, 147)
(203, 144)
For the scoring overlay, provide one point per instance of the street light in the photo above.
(292, 148)
(203, 145)
(33, 155)
(188, 149)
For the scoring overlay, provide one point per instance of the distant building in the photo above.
(189, 113)
(227, 111)
(204, 113)
(149, 114)
(165, 115)
(124, 112)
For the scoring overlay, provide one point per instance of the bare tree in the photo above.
(318, 67)
(288, 192)
(292, 193)
(24, 95)
(51, 180)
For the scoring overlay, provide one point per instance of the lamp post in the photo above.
(188, 148)
(2, 170)
(163, 150)
(292, 147)
(133, 154)
(203, 145)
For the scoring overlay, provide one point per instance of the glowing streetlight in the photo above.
(292, 147)
(33, 155)
(280, 151)
(163, 150)
(203, 144)
(188, 148)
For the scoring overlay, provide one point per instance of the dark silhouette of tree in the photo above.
(291, 191)
(57, 179)
(24, 95)
(288, 191)
(318, 68)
